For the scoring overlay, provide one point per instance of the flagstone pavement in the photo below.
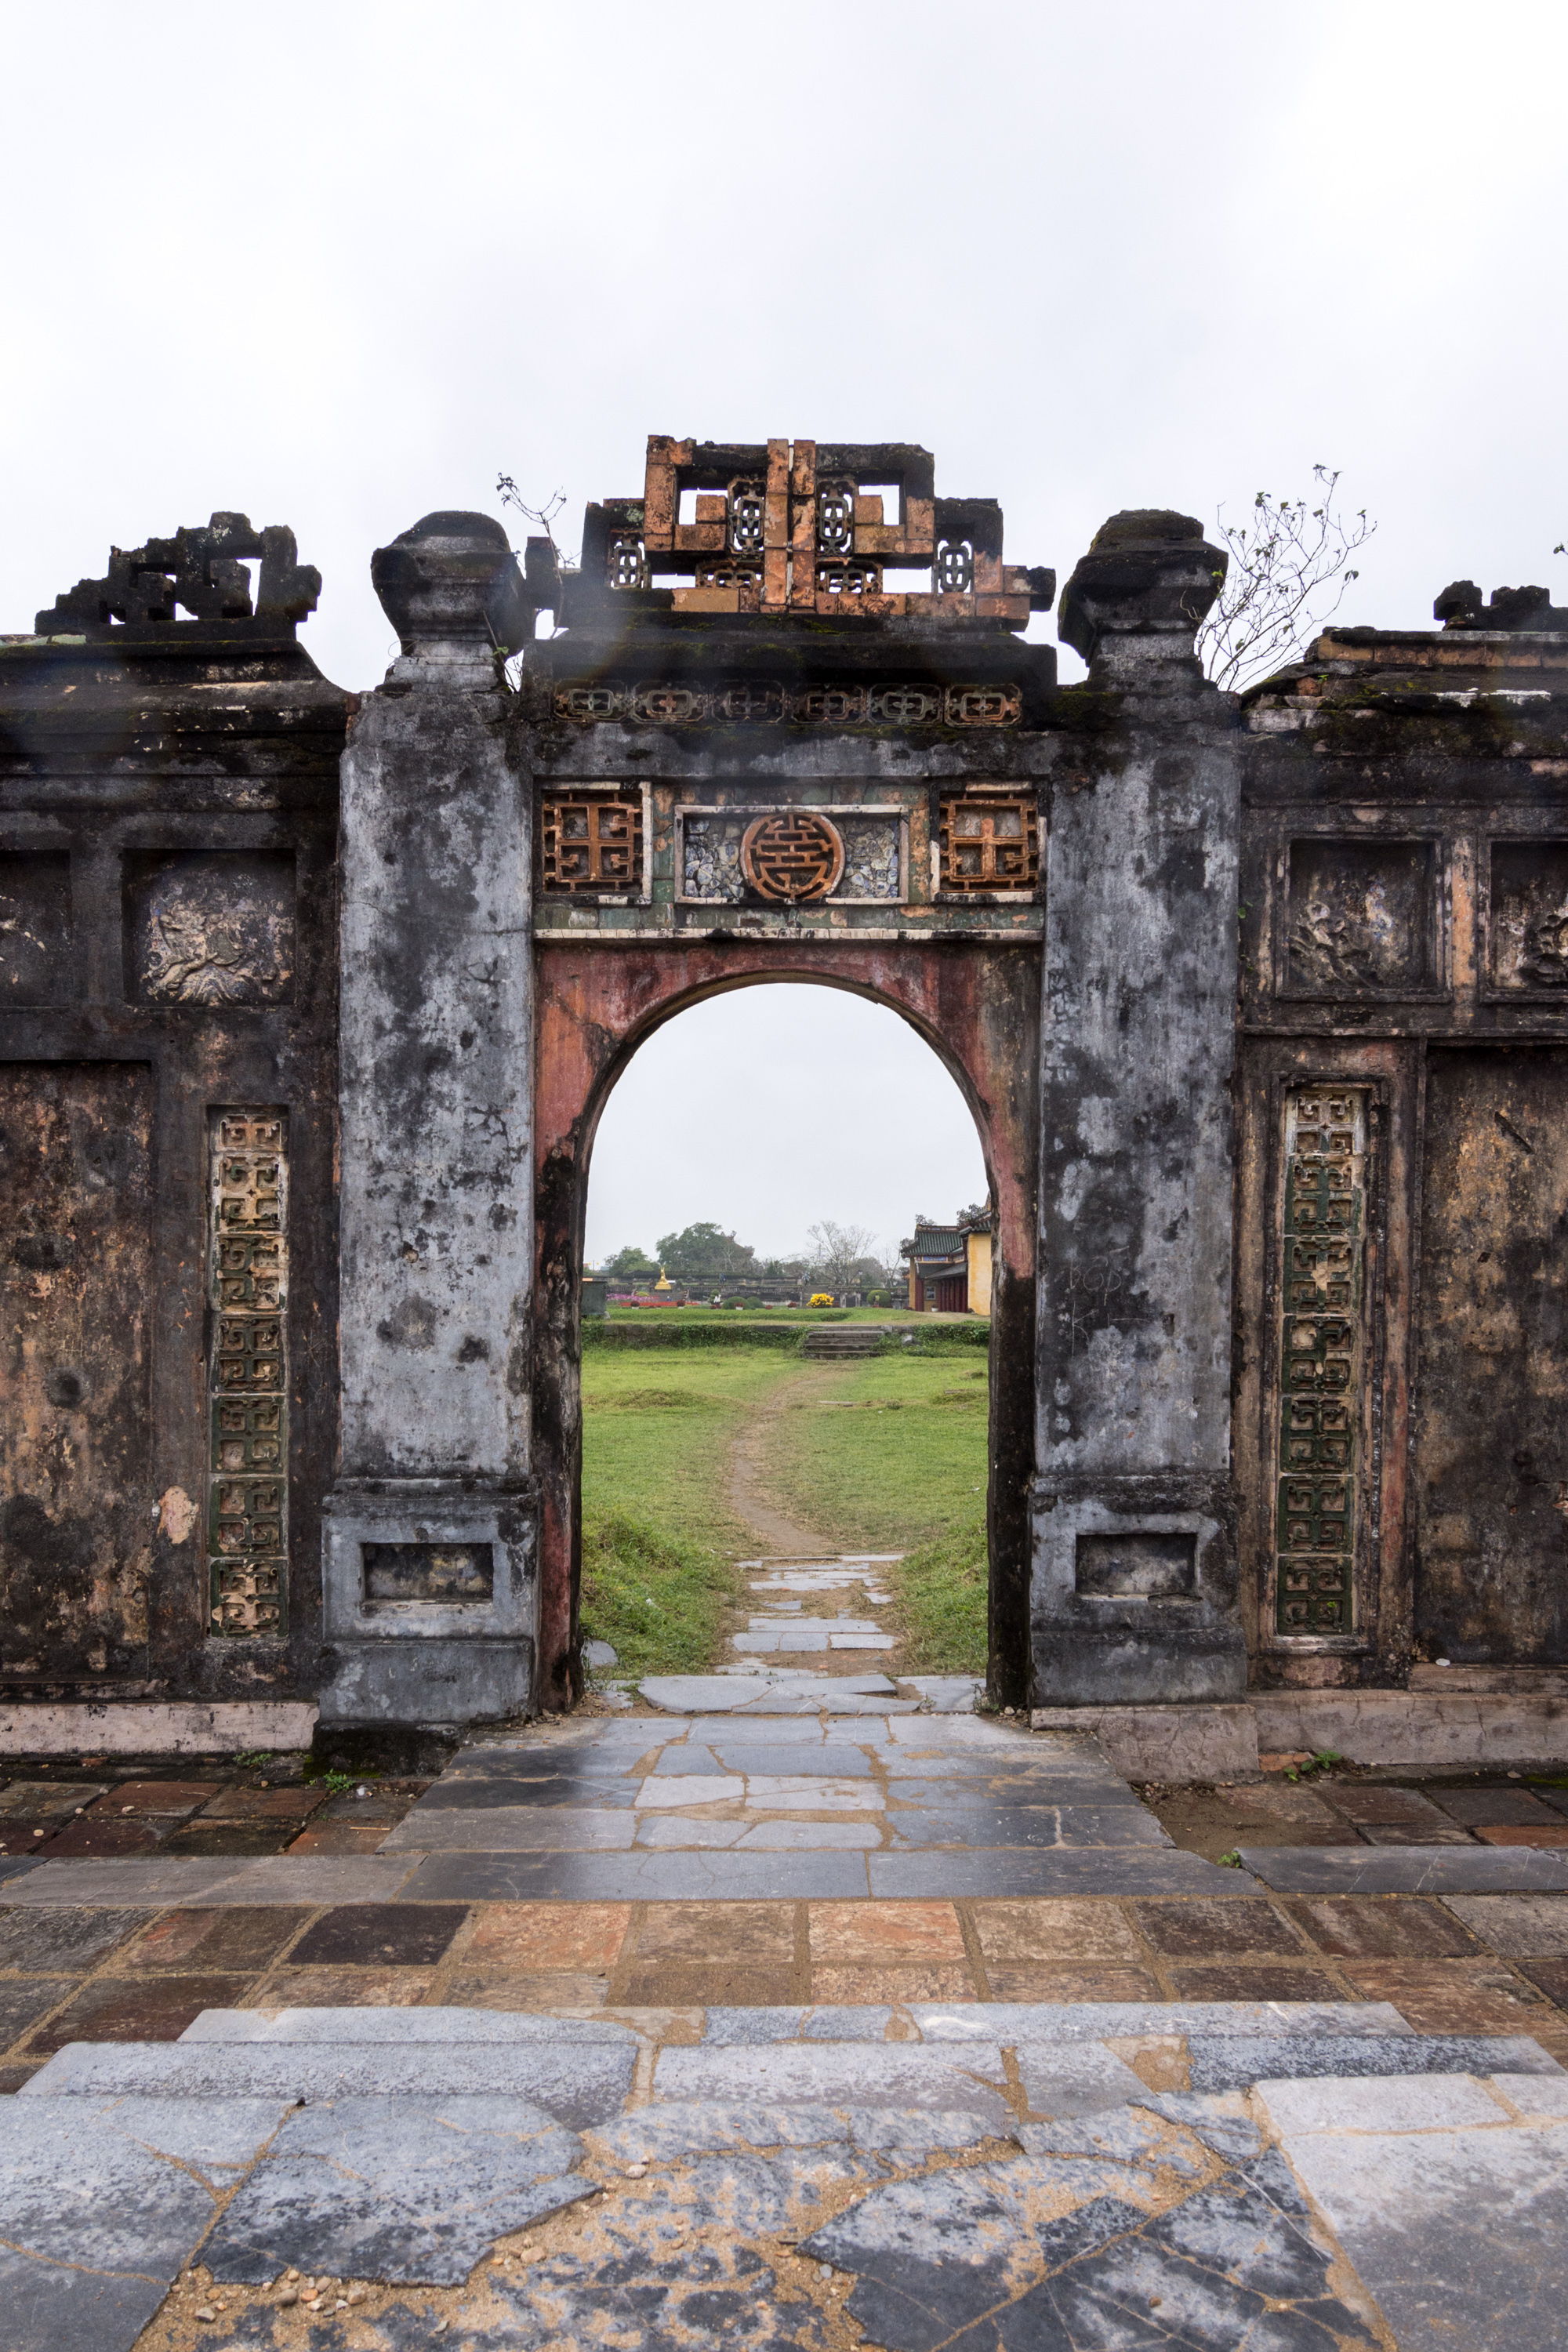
(776, 2026)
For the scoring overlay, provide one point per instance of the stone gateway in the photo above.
(310, 1004)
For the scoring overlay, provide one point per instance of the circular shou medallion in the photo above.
(792, 856)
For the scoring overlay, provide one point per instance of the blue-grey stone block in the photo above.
(577, 2082)
(403, 2028)
(403, 2188)
(1230, 2063)
(1408, 1870)
(101, 2202)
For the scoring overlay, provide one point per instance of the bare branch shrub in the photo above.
(510, 496)
(838, 1250)
(1289, 569)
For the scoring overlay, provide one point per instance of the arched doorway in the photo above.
(977, 1009)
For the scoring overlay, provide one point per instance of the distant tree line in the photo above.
(705, 1257)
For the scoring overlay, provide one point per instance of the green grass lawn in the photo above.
(887, 1455)
(660, 1542)
(940, 1597)
(886, 1452)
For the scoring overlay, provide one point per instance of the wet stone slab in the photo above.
(1052, 2022)
(1161, 2239)
(1075, 2078)
(1222, 2062)
(1407, 1870)
(67, 1940)
(1524, 1927)
(407, 2189)
(897, 2074)
(1059, 1870)
(1457, 2226)
(101, 2201)
(676, 1876)
(683, 2127)
(442, 2028)
(515, 1829)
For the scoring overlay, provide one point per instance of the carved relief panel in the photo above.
(247, 1499)
(1361, 918)
(1323, 1358)
(210, 928)
(654, 702)
(1527, 918)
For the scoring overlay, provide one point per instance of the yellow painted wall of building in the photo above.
(978, 1274)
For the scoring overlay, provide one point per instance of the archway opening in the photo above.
(755, 1149)
(781, 1106)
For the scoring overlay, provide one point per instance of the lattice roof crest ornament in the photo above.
(779, 527)
(200, 570)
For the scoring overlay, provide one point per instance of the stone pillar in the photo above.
(1134, 1564)
(431, 1530)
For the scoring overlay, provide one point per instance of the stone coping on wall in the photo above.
(176, 1727)
(1396, 1728)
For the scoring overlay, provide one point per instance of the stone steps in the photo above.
(962, 2057)
(846, 1339)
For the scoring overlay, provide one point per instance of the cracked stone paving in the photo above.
(742, 2020)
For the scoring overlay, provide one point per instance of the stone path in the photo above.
(749, 1498)
(801, 2028)
(807, 1609)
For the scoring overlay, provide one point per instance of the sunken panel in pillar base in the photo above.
(1133, 1592)
(247, 1497)
(427, 1571)
(418, 1557)
(1137, 1565)
(210, 928)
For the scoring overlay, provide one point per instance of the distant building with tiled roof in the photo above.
(950, 1266)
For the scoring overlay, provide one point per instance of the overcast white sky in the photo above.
(337, 264)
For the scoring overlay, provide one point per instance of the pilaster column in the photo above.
(1134, 1564)
(431, 1538)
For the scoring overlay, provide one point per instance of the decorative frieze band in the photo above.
(247, 1497)
(1323, 1358)
(751, 701)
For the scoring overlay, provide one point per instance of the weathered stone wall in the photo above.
(1135, 1575)
(168, 1376)
(1401, 1373)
